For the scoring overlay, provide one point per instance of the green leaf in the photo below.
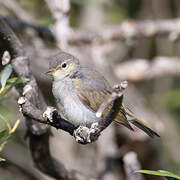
(12, 82)
(6, 122)
(17, 80)
(3, 133)
(2, 159)
(5, 75)
(159, 173)
(8, 87)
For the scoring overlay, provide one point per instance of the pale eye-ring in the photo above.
(64, 65)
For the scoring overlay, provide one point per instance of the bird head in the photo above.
(63, 65)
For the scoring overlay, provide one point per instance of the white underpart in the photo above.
(70, 105)
(76, 112)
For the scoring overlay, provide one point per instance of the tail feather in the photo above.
(140, 124)
(146, 129)
(122, 119)
(126, 124)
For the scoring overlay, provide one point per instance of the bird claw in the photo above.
(48, 113)
(81, 134)
(85, 135)
(94, 132)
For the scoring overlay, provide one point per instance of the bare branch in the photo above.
(50, 116)
(38, 132)
(131, 164)
(24, 171)
(21, 26)
(13, 6)
(128, 30)
(31, 108)
(60, 11)
(143, 69)
(82, 134)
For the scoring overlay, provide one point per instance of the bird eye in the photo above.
(64, 65)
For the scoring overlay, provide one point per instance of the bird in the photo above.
(79, 92)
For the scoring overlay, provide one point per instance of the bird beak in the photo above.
(50, 72)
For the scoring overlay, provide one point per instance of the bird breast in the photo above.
(70, 106)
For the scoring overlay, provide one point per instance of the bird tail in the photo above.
(140, 124)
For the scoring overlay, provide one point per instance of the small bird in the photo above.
(80, 91)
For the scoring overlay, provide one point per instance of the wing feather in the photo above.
(92, 90)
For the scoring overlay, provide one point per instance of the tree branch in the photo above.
(82, 134)
(60, 11)
(143, 69)
(50, 116)
(38, 132)
(131, 164)
(127, 30)
(31, 107)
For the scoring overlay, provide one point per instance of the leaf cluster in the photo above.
(7, 83)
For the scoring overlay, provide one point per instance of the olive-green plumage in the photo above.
(80, 92)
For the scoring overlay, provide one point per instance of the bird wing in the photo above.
(92, 90)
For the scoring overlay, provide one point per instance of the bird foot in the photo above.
(48, 113)
(85, 135)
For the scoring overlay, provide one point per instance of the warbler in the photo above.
(80, 91)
